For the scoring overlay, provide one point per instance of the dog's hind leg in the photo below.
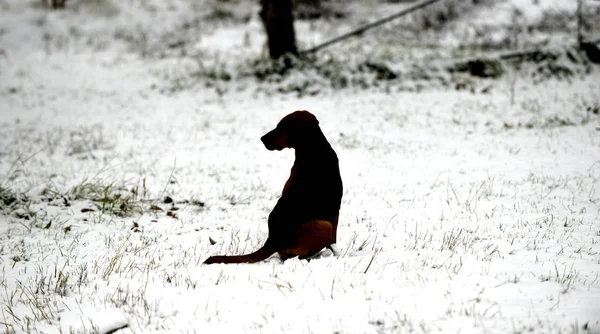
(310, 238)
(333, 247)
(335, 250)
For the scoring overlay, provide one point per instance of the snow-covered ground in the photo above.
(471, 212)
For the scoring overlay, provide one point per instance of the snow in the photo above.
(91, 320)
(462, 212)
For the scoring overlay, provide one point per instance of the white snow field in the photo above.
(464, 211)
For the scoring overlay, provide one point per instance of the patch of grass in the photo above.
(418, 239)
(310, 75)
(109, 198)
(10, 199)
(481, 68)
(456, 238)
(19, 206)
(83, 142)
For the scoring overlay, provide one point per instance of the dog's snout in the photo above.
(273, 140)
(269, 140)
(264, 139)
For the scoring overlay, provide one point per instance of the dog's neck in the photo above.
(314, 145)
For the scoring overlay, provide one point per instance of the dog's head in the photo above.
(291, 131)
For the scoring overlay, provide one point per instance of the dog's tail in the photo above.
(262, 254)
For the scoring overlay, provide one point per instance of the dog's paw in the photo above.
(326, 252)
(275, 259)
(335, 250)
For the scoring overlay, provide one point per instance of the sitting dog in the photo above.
(305, 218)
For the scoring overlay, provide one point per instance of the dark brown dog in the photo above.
(305, 219)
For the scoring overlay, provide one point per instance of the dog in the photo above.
(305, 218)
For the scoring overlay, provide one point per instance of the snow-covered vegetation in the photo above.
(130, 152)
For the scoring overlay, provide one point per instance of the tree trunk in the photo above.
(279, 25)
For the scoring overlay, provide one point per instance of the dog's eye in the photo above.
(281, 128)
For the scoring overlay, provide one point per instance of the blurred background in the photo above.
(223, 44)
